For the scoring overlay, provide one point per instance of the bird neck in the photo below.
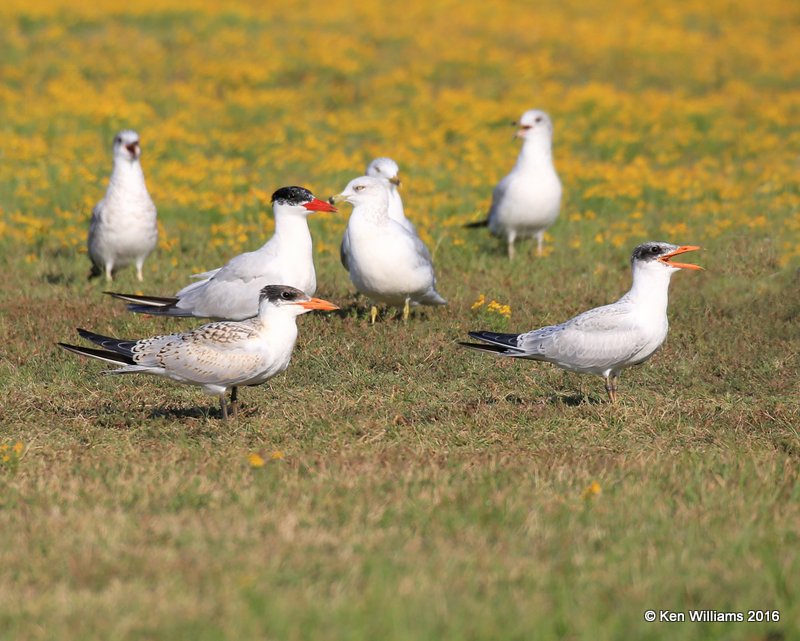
(376, 213)
(536, 150)
(295, 228)
(127, 176)
(650, 288)
(278, 321)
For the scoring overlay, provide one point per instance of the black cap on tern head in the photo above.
(651, 250)
(281, 293)
(292, 196)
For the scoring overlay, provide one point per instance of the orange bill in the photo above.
(666, 259)
(317, 303)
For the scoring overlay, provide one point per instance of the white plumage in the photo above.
(605, 340)
(386, 170)
(388, 263)
(527, 201)
(231, 292)
(216, 356)
(123, 229)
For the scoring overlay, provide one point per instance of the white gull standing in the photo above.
(604, 340)
(123, 229)
(216, 356)
(526, 202)
(386, 170)
(388, 263)
(230, 292)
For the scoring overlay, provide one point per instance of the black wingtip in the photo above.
(476, 224)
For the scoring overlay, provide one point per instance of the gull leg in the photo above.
(109, 270)
(235, 401)
(139, 265)
(611, 386)
(373, 314)
(224, 407)
(406, 310)
(512, 236)
(539, 242)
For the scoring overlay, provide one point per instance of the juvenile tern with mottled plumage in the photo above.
(604, 340)
(231, 292)
(216, 356)
(123, 229)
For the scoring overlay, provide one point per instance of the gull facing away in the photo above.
(386, 170)
(123, 228)
(388, 263)
(216, 356)
(604, 340)
(231, 292)
(527, 200)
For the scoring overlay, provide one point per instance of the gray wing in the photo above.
(344, 251)
(598, 339)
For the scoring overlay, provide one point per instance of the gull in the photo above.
(123, 229)
(230, 292)
(604, 340)
(216, 356)
(388, 263)
(527, 200)
(387, 170)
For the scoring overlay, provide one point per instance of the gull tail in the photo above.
(94, 272)
(476, 224)
(502, 344)
(155, 305)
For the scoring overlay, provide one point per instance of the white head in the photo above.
(534, 123)
(385, 168)
(126, 145)
(655, 257)
(299, 201)
(289, 300)
(366, 190)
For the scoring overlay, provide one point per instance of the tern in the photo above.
(527, 200)
(388, 263)
(604, 340)
(123, 229)
(387, 170)
(231, 292)
(216, 356)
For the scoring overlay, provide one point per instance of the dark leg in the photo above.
(224, 407)
(235, 401)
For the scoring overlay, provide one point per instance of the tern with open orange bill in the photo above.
(217, 356)
(604, 340)
(231, 291)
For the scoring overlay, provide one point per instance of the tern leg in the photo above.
(235, 401)
(539, 242)
(406, 310)
(373, 314)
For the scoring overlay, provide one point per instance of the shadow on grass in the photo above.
(573, 399)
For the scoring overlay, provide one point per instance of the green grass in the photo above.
(425, 491)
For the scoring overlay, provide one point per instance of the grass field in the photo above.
(391, 485)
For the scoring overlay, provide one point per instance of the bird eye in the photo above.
(538, 119)
(285, 295)
(655, 250)
(359, 188)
